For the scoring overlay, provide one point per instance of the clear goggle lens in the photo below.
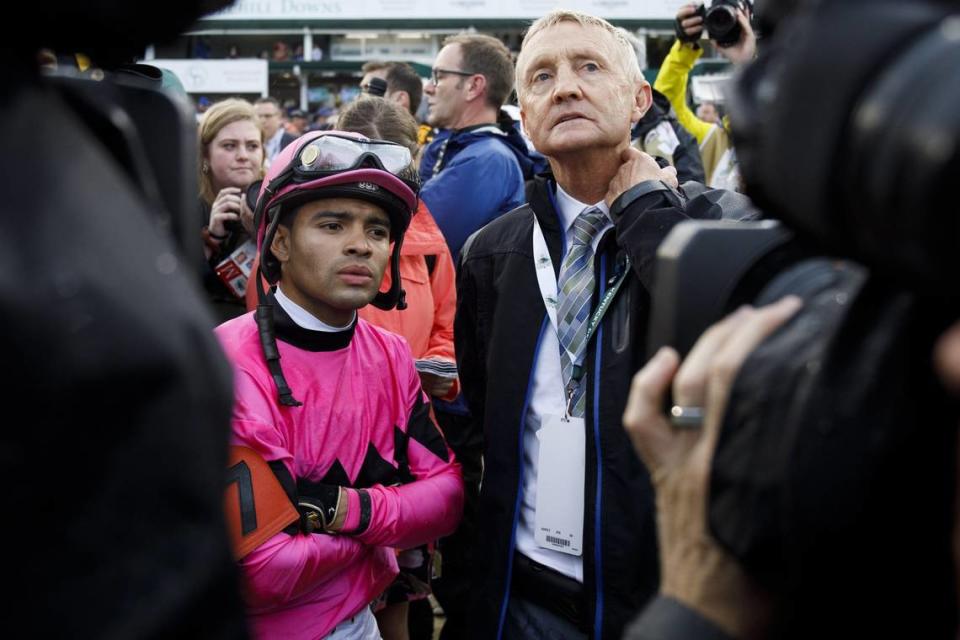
(331, 153)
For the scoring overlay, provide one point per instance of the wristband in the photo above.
(358, 512)
(627, 198)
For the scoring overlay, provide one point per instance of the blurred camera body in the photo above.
(834, 479)
(720, 20)
(693, 289)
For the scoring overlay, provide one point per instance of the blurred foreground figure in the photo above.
(118, 397)
(806, 478)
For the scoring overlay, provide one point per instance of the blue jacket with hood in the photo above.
(471, 176)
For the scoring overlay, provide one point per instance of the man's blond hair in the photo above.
(623, 48)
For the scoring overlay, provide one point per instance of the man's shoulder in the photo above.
(239, 338)
(489, 168)
(505, 234)
(376, 342)
(487, 144)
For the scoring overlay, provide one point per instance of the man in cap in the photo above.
(403, 84)
(298, 122)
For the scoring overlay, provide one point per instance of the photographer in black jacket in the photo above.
(806, 476)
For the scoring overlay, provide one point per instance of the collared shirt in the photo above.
(304, 318)
(547, 398)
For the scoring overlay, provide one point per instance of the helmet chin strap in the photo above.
(395, 296)
(268, 341)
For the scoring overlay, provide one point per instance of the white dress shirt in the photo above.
(547, 398)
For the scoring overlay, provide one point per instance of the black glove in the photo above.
(682, 35)
(318, 510)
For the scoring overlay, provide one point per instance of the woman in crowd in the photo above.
(231, 157)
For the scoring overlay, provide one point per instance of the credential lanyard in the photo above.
(547, 280)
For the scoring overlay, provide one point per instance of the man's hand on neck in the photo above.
(604, 175)
(638, 167)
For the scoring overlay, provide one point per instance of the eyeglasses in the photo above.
(436, 75)
(332, 153)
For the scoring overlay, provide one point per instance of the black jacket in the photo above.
(223, 303)
(286, 139)
(117, 403)
(500, 321)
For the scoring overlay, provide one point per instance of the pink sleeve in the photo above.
(286, 567)
(431, 506)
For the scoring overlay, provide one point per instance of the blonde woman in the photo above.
(231, 158)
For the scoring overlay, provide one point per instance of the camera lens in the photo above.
(721, 19)
(721, 24)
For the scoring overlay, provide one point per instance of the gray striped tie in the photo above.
(574, 291)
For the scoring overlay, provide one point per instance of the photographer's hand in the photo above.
(246, 217)
(225, 208)
(638, 167)
(694, 569)
(946, 358)
(745, 49)
(690, 21)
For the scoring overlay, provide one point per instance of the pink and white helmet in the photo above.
(335, 164)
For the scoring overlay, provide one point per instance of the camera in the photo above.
(96, 200)
(834, 477)
(720, 21)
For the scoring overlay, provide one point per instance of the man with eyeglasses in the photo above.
(274, 135)
(472, 173)
(474, 169)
